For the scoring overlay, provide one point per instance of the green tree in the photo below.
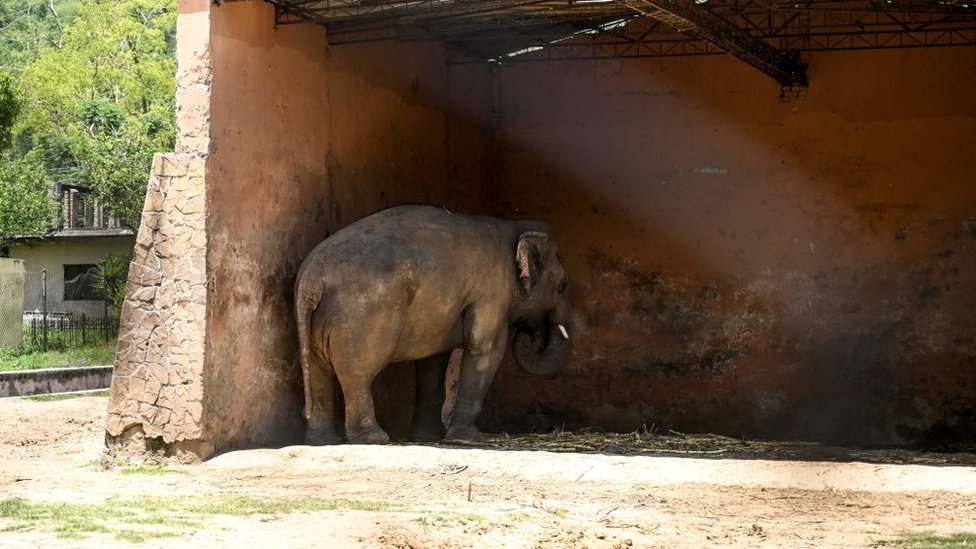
(25, 203)
(26, 207)
(9, 110)
(100, 103)
(26, 26)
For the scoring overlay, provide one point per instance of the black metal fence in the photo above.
(60, 332)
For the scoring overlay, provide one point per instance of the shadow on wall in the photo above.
(407, 128)
(749, 267)
(404, 128)
(739, 265)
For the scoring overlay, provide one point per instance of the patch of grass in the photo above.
(150, 469)
(72, 520)
(246, 506)
(449, 519)
(67, 396)
(141, 536)
(97, 355)
(931, 541)
(514, 518)
(146, 517)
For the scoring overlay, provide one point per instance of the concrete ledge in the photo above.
(54, 380)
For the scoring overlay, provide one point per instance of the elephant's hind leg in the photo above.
(357, 383)
(321, 428)
(427, 423)
(359, 353)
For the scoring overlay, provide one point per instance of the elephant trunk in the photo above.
(542, 351)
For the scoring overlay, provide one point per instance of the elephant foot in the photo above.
(427, 433)
(465, 432)
(368, 436)
(322, 436)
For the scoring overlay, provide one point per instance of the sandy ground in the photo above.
(459, 497)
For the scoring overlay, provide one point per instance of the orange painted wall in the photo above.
(746, 266)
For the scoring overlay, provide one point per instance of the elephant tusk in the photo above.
(562, 330)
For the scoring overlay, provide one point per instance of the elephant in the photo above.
(414, 283)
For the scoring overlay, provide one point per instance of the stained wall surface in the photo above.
(266, 185)
(751, 267)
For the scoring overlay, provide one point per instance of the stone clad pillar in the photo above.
(157, 396)
(157, 387)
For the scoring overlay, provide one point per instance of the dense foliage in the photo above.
(25, 204)
(86, 98)
(27, 26)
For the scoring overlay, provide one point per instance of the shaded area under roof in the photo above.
(767, 35)
(493, 29)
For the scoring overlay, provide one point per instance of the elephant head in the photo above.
(542, 336)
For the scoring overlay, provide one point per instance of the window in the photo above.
(79, 283)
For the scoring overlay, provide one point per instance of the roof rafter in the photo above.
(688, 17)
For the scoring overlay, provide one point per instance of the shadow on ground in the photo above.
(707, 446)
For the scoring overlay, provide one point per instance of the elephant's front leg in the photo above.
(427, 423)
(478, 367)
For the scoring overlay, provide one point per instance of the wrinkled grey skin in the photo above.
(415, 283)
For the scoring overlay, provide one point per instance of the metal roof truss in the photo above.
(767, 35)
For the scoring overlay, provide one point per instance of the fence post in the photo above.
(44, 308)
(105, 301)
(84, 321)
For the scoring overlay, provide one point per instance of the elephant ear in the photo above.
(528, 255)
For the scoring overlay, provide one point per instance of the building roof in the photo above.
(768, 35)
(72, 234)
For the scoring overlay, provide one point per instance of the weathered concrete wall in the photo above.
(54, 380)
(266, 195)
(406, 129)
(740, 265)
(746, 266)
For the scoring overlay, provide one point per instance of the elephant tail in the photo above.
(306, 301)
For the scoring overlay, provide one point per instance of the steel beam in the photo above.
(688, 17)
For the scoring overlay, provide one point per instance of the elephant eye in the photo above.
(563, 284)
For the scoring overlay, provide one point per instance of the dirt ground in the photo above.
(473, 497)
